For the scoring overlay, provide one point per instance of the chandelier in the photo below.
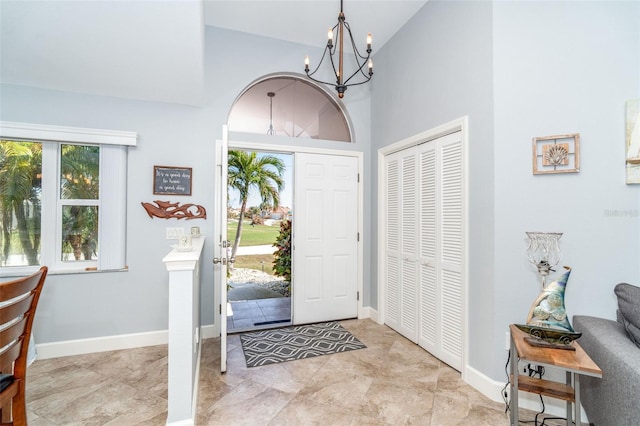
(358, 76)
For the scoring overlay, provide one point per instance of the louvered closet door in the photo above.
(452, 250)
(402, 243)
(441, 248)
(393, 254)
(424, 253)
(429, 289)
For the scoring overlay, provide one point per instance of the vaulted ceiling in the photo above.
(153, 50)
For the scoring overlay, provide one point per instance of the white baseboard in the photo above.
(369, 312)
(209, 331)
(112, 343)
(101, 344)
(483, 384)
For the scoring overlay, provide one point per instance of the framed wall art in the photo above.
(171, 180)
(556, 154)
(632, 147)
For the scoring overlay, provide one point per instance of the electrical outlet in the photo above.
(534, 370)
(507, 345)
(174, 233)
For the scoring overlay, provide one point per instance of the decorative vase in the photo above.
(548, 309)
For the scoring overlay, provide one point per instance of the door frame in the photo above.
(220, 249)
(281, 145)
(460, 124)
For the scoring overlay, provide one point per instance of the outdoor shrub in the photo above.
(257, 220)
(282, 262)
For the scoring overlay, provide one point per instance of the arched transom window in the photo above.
(289, 106)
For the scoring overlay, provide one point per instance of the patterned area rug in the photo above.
(288, 344)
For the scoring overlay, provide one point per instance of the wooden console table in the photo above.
(574, 363)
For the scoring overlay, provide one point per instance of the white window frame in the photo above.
(113, 185)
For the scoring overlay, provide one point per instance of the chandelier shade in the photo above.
(335, 55)
(544, 251)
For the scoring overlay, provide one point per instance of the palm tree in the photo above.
(20, 187)
(247, 171)
(80, 180)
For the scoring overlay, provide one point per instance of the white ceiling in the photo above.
(153, 50)
(307, 21)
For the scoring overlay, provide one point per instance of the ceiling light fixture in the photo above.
(271, 131)
(341, 83)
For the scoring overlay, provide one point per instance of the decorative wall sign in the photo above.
(171, 180)
(556, 154)
(632, 147)
(168, 210)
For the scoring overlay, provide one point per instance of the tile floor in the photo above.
(260, 313)
(391, 382)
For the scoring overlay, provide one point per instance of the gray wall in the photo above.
(103, 304)
(77, 306)
(520, 70)
(565, 67)
(436, 69)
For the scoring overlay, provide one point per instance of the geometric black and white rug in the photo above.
(304, 341)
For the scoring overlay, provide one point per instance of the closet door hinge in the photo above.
(357, 236)
(358, 177)
(220, 306)
(358, 296)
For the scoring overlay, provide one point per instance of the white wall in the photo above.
(104, 304)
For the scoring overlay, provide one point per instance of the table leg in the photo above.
(513, 368)
(569, 407)
(576, 388)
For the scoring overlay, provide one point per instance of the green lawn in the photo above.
(253, 235)
(260, 262)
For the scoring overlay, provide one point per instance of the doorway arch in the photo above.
(238, 138)
(290, 105)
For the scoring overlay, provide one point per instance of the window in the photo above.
(62, 198)
(78, 202)
(289, 106)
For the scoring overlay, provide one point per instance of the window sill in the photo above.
(21, 272)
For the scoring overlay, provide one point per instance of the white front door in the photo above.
(325, 235)
(220, 246)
